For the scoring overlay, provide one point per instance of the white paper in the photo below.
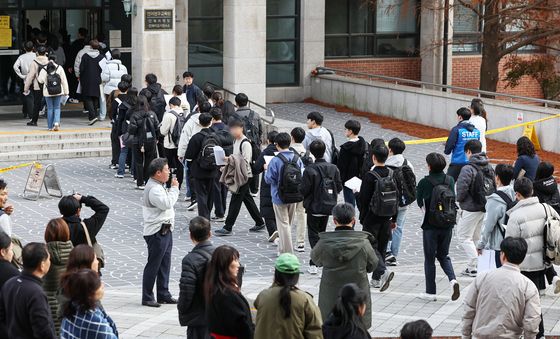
(354, 184)
(79, 88)
(267, 158)
(220, 155)
(486, 261)
(102, 64)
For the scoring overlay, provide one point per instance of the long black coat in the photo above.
(266, 208)
(90, 75)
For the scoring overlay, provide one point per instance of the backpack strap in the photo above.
(504, 197)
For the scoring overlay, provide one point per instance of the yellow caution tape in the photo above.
(489, 132)
(11, 168)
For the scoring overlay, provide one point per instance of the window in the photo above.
(352, 29)
(206, 40)
(466, 31)
(282, 42)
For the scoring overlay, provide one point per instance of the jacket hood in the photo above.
(355, 147)
(467, 125)
(479, 159)
(126, 98)
(344, 245)
(524, 203)
(60, 251)
(91, 52)
(395, 160)
(154, 88)
(547, 185)
(507, 190)
(114, 61)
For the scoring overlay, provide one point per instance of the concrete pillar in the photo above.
(245, 48)
(312, 41)
(181, 39)
(153, 51)
(432, 39)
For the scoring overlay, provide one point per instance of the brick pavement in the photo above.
(125, 248)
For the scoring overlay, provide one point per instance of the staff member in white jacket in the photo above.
(53, 98)
(159, 220)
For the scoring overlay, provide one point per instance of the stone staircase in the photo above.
(79, 143)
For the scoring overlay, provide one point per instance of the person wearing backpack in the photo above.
(284, 175)
(320, 187)
(202, 164)
(124, 113)
(378, 204)
(545, 186)
(171, 126)
(475, 183)
(351, 157)
(458, 137)
(265, 201)
(156, 98)
(38, 63)
(226, 142)
(317, 131)
(298, 135)
(405, 171)
(191, 304)
(436, 198)
(528, 220)
(242, 195)
(497, 206)
(55, 86)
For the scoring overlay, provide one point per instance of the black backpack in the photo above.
(148, 133)
(335, 153)
(175, 132)
(306, 158)
(509, 205)
(290, 180)
(442, 212)
(327, 187)
(384, 202)
(255, 153)
(157, 103)
(206, 158)
(53, 83)
(225, 139)
(250, 129)
(406, 180)
(484, 183)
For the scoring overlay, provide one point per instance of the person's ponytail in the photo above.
(288, 284)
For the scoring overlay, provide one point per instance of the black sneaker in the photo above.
(222, 232)
(391, 260)
(192, 206)
(218, 219)
(93, 121)
(257, 228)
(31, 123)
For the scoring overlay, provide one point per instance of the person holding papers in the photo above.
(351, 157)
(202, 162)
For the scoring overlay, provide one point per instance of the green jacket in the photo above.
(304, 322)
(59, 251)
(346, 257)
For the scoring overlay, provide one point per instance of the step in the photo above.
(47, 135)
(55, 144)
(90, 152)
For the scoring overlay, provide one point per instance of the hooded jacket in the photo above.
(346, 257)
(351, 158)
(157, 99)
(42, 79)
(491, 233)
(465, 181)
(323, 134)
(526, 220)
(111, 75)
(547, 192)
(90, 74)
(191, 127)
(34, 68)
(59, 252)
(458, 137)
(86, 49)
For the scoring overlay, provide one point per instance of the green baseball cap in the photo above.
(287, 263)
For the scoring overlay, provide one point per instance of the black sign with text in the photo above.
(158, 19)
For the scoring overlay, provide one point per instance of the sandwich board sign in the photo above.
(38, 177)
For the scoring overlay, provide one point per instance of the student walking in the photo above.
(31, 80)
(221, 131)
(21, 68)
(545, 187)
(284, 175)
(317, 131)
(436, 197)
(475, 183)
(479, 120)
(167, 128)
(298, 135)
(458, 137)
(320, 187)
(90, 79)
(265, 202)
(55, 86)
(527, 159)
(351, 157)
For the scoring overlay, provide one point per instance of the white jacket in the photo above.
(87, 49)
(42, 79)
(166, 128)
(319, 133)
(192, 126)
(158, 206)
(526, 220)
(23, 63)
(111, 75)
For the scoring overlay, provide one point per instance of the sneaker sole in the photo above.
(191, 208)
(273, 237)
(557, 288)
(386, 284)
(456, 292)
(300, 249)
(221, 234)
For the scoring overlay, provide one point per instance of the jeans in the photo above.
(243, 196)
(53, 110)
(395, 244)
(91, 104)
(315, 225)
(142, 161)
(436, 246)
(220, 197)
(468, 234)
(349, 196)
(122, 161)
(285, 214)
(381, 231)
(454, 169)
(157, 267)
(204, 196)
(102, 104)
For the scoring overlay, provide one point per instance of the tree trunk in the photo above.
(490, 66)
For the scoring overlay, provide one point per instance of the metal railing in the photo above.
(268, 111)
(423, 84)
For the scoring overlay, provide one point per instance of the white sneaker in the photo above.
(275, 242)
(56, 126)
(300, 248)
(312, 270)
(556, 284)
(428, 297)
(375, 283)
(120, 176)
(456, 290)
(273, 237)
(385, 280)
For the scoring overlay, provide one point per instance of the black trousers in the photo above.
(115, 145)
(242, 197)
(381, 231)
(142, 161)
(91, 104)
(37, 103)
(158, 266)
(204, 189)
(175, 165)
(453, 170)
(28, 105)
(254, 184)
(220, 197)
(436, 246)
(315, 225)
(198, 332)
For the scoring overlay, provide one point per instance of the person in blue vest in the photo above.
(458, 137)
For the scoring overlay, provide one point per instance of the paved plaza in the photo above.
(125, 248)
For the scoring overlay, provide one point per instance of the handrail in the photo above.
(424, 84)
(266, 109)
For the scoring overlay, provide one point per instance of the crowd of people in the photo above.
(210, 148)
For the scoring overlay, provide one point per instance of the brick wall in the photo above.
(408, 68)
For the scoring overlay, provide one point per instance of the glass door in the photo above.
(10, 28)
